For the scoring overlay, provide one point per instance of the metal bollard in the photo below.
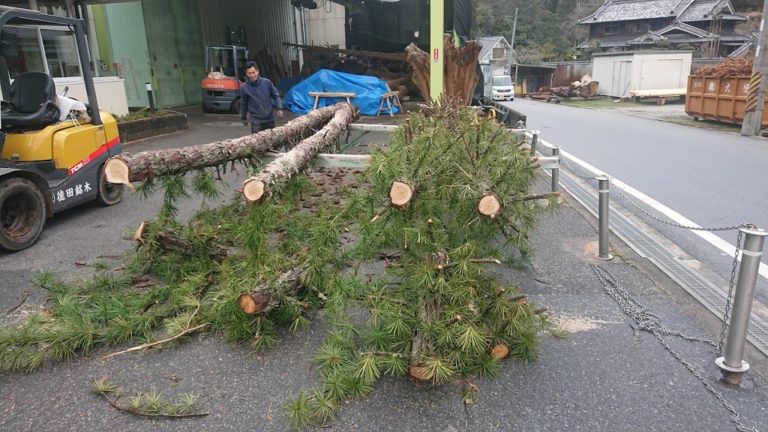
(150, 96)
(534, 141)
(556, 171)
(603, 231)
(732, 364)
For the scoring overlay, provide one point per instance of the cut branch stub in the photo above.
(259, 300)
(400, 194)
(421, 373)
(489, 206)
(254, 302)
(499, 351)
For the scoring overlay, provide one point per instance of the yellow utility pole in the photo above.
(436, 19)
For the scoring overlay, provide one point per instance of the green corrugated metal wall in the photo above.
(130, 55)
(175, 51)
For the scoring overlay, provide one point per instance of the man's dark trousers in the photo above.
(257, 126)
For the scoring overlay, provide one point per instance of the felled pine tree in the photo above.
(447, 199)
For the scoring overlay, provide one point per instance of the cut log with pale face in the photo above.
(400, 194)
(489, 206)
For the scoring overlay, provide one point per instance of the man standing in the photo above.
(256, 95)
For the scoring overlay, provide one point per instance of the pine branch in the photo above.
(187, 330)
(148, 414)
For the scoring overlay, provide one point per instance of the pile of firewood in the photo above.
(729, 67)
(584, 88)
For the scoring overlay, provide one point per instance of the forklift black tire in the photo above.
(206, 109)
(234, 108)
(109, 193)
(22, 213)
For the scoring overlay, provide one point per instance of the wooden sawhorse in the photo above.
(389, 101)
(318, 95)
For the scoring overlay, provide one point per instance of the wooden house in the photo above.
(707, 26)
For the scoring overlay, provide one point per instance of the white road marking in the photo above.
(724, 246)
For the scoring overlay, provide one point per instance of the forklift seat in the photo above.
(32, 102)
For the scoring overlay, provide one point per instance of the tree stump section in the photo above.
(489, 206)
(400, 194)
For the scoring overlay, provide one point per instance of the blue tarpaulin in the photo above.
(367, 88)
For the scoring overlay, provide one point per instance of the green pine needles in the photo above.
(436, 313)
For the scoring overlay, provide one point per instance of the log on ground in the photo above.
(127, 168)
(260, 300)
(296, 160)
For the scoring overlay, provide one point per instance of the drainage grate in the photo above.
(692, 281)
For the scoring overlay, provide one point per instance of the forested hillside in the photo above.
(547, 29)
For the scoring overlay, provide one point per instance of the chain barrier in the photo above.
(734, 263)
(646, 320)
(573, 170)
(675, 224)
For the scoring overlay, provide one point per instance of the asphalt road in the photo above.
(74, 240)
(713, 178)
(590, 379)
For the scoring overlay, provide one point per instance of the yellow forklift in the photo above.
(52, 148)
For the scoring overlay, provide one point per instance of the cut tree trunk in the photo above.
(296, 160)
(260, 300)
(126, 168)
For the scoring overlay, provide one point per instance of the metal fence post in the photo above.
(534, 141)
(732, 363)
(603, 190)
(150, 96)
(556, 171)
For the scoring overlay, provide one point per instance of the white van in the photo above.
(502, 88)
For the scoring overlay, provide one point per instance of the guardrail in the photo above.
(731, 364)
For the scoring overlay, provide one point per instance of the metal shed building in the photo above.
(624, 72)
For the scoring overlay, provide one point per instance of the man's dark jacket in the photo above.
(256, 100)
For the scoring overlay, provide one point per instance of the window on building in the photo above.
(611, 29)
(53, 7)
(499, 53)
(60, 53)
(44, 50)
(30, 57)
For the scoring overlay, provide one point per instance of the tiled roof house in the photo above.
(707, 25)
